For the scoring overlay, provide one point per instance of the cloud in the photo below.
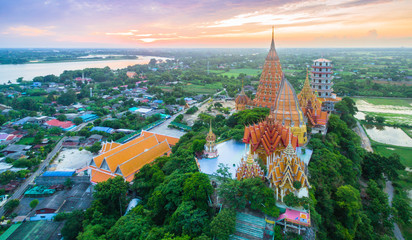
(25, 30)
(373, 33)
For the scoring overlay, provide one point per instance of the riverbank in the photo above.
(11, 72)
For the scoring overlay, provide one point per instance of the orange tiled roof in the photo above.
(134, 164)
(270, 79)
(99, 175)
(99, 159)
(269, 134)
(108, 146)
(287, 109)
(171, 140)
(126, 154)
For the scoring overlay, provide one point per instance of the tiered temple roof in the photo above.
(311, 105)
(242, 100)
(287, 169)
(270, 79)
(269, 136)
(127, 159)
(249, 169)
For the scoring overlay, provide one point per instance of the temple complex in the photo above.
(270, 79)
(287, 111)
(249, 168)
(312, 108)
(210, 146)
(287, 174)
(268, 138)
(242, 101)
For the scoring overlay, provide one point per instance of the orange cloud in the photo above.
(29, 31)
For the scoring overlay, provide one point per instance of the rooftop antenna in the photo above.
(207, 67)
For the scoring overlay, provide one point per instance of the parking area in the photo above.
(79, 197)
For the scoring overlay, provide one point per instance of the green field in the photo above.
(387, 101)
(236, 72)
(393, 118)
(405, 153)
(203, 89)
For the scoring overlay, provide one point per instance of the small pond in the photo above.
(230, 153)
(388, 135)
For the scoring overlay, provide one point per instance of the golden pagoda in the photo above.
(210, 146)
(285, 172)
(270, 79)
(312, 108)
(268, 138)
(287, 111)
(249, 168)
(242, 101)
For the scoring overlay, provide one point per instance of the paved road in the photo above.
(163, 129)
(22, 188)
(366, 144)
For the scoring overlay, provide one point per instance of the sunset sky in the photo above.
(205, 23)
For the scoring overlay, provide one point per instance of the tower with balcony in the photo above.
(322, 76)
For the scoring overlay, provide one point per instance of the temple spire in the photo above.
(210, 127)
(242, 92)
(272, 46)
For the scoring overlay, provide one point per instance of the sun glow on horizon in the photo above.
(352, 23)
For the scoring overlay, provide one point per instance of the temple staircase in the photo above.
(248, 227)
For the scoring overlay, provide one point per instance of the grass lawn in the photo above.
(26, 141)
(236, 72)
(393, 118)
(387, 101)
(203, 89)
(404, 152)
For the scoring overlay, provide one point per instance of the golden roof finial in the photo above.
(249, 159)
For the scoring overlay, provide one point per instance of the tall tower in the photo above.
(322, 76)
(270, 79)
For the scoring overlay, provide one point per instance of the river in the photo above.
(10, 72)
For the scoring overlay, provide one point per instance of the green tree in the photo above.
(78, 120)
(11, 205)
(348, 208)
(188, 220)
(197, 188)
(369, 118)
(378, 209)
(95, 148)
(223, 225)
(34, 203)
(68, 183)
(67, 98)
(62, 117)
(380, 119)
(198, 145)
(73, 225)
(112, 195)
